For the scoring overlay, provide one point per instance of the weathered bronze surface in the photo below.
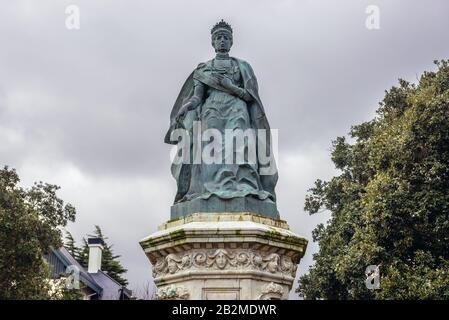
(222, 94)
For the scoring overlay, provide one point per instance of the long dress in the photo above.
(222, 110)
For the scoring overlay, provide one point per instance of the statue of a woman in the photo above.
(222, 94)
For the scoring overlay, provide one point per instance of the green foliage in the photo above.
(110, 263)
(60, 291)
(29, 222)
(83, 254)
(390, 204)
(70, 245)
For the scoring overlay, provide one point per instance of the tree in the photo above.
(83, 256)
(109, 263)
(390, 204)
(29, 222)
(70, 245)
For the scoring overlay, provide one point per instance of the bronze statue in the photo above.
(222, 94)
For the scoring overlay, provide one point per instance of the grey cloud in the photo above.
(98, 99)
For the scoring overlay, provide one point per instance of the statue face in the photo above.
(172, 267)
(222, 41)
(221, 260)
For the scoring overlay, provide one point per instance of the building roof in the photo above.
(105, 287)
(112, 290)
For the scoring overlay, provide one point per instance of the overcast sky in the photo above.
(88, 109)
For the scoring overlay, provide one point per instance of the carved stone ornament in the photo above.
(172, 292)
(220, 259)
(271, 291)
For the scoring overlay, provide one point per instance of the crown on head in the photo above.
(222, 25)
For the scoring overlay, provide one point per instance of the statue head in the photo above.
(171, 263)
(221, 260)
(221, 37)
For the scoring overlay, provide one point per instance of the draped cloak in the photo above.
(182, 172)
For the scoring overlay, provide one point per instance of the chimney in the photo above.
(95, 251)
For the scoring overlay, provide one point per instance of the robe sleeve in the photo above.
(244, 94)
(198, 92)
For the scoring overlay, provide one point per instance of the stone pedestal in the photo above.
(231, 256)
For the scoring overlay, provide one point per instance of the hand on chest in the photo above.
(227, 68)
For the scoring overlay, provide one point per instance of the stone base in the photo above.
(224, 256)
